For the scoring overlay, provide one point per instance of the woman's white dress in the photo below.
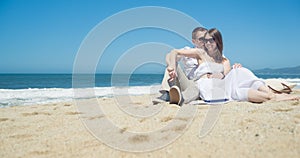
(234, 86)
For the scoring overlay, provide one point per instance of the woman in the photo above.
(215, 79)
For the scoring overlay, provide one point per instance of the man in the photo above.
(183, 89)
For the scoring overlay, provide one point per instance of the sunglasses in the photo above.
(210, 40)
(201, 39)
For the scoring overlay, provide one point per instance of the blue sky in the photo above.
(44, 36)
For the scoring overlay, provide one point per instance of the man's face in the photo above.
(199, 40)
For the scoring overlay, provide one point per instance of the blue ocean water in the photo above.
(28, 89)
(26, 81)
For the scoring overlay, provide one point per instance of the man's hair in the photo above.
(202, 29)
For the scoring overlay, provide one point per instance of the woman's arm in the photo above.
(227, 66)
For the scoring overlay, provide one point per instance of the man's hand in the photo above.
(172, 73)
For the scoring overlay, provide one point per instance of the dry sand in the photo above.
(242, 129)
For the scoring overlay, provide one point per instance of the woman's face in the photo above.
(210, 44)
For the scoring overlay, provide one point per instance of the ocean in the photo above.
(29, 89)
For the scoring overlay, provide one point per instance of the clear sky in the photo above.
(43, 36)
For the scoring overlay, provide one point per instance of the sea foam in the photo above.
(10, 97)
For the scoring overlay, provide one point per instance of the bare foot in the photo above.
(283, 97)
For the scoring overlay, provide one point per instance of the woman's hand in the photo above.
(215, 75)
(236, 65)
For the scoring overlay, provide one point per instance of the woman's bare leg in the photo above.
(258, 96)
(265, 89)
(283, 97)
(279, 97)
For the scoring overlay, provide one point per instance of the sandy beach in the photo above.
(242, 129)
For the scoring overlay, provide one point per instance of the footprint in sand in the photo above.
(73, 113)
(40, 152)
(4, 119)
(182, 118)
(176, 128)
(96, 117)
(168, 118)
(122, 130)
(138, 103)
(283, 109)
(142, 120)
(139, 138)
(18, 136)
(179, 128)
(35, 113)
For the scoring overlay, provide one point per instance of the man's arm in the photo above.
(168, 58)
(173, 56)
